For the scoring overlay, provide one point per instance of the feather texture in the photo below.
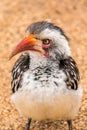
(21, 65)
(70, 68)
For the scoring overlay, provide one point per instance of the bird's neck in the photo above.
(38, 60)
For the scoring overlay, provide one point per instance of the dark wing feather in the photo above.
(70, 68)
(21, 65)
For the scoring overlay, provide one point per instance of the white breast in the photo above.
(45, 100)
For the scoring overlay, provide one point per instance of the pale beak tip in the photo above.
(10, 57)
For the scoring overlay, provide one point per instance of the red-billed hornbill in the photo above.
(45, 78)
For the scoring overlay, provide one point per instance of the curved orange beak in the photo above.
(28, 43)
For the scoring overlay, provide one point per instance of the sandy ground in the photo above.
(15, 16)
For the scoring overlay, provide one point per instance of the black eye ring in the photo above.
(46, 41)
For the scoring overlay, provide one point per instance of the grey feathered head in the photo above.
(50, 39)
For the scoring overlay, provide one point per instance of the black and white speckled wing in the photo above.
(21, 65)
(70, 68)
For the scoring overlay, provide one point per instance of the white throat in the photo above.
(37, 59)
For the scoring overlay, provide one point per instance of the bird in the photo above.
(45, 77)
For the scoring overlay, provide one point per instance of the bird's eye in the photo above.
(46, 41)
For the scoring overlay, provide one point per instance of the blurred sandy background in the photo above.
(15, 16)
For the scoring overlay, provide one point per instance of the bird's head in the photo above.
(45, 38)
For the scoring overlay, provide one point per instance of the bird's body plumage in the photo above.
(42, 91)
(47, 88)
